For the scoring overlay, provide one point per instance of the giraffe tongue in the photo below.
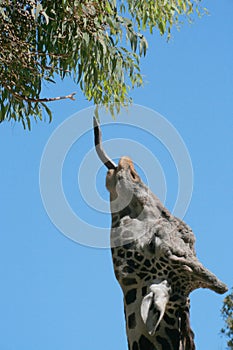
(99, 148)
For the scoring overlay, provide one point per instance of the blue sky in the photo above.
(58, 294)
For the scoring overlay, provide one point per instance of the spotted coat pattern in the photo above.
(155, 264)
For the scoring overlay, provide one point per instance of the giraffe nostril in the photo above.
(133, 175)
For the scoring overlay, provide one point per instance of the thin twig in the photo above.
(46, 99)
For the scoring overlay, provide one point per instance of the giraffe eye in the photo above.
(151, 246)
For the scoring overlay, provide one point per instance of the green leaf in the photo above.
(143, 46)
(48, 111)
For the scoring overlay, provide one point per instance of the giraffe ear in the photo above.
(146, 306)
(154, 304)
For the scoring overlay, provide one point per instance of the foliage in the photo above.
(227, 313)
(97, 43)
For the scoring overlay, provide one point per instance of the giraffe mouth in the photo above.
(99, 147)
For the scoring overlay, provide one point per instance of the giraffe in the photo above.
(154, 261)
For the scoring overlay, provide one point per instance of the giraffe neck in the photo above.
(173, 332)
(138, 269)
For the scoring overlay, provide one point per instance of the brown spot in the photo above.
(164, 343)
(147, 263)
(144, 291)
(132, 321)
(170, 321)
(138, 256)
(133, 263)
(121, 253)
(135, 346)
(128, 281)
(174, 337)
(145, 344)
(130, 296)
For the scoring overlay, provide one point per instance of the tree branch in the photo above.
(46, 99)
